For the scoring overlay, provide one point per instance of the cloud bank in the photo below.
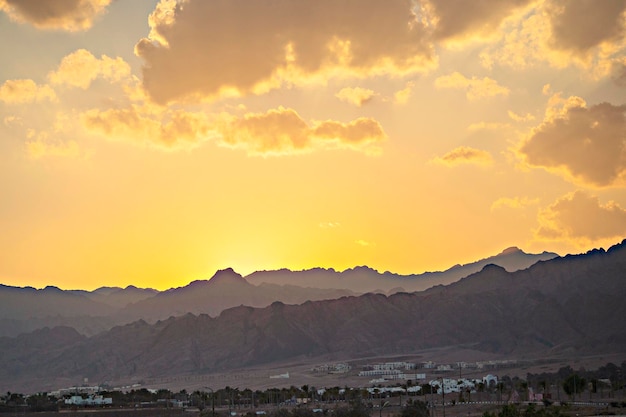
(283, 131)
(190, 55)
(278, 131)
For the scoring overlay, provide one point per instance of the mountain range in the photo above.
(91, 312)
(572, 305)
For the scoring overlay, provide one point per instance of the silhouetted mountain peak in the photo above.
(511, 250)
(362, 268)
(618, 246)
(493, 268)
(227, 275)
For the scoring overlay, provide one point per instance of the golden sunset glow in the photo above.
(154, 142)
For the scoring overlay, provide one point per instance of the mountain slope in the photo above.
(572, 304)
(91, 312)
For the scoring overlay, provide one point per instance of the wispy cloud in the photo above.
(403, 96)
(329, 225)
(513, 203)
(520, 118)
(355, 95)
(475, 88)
(465, 155)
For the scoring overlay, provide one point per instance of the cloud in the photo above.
(67, 15)
(80, 68)
(355, 95)
(162, 128)
(364, 243)
(519, 118)
(586, 145)
(283, 131)
(487, 126)
(619, 72)
(189, 53)
(513, 203)
(54, 141)
(580, 26)
(456, 19)
(23, 91)
(563, 33)
(12, 121)
(475, 88)
(276, 132)
(580, 216)
(40, 148)
(546, 90)
(465, 155)
(403, 96)
(329, 225)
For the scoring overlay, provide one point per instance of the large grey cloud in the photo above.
(580, 25)
(457, 18)
(202, 48)
(589, 143)
(69, 15)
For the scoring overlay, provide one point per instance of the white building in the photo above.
(91, 400)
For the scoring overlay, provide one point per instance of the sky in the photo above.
(155, 142)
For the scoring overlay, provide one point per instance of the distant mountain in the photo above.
(224, 290)
(120, 297)
(91, 312)
(570, 306)
(28, 309)
(27, 302)
(364, 279)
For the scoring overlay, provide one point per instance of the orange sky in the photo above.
(152, 143)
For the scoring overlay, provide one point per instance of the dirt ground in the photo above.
(300, 372)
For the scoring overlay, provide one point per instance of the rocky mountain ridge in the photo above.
(362, 279)
(565, 306)
(91, 312)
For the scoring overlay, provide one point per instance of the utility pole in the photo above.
(443, 397)
(382, 405)
(212, 401)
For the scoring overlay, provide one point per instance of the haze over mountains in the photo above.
(363, 279)
(91, 312)
(572, 305)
